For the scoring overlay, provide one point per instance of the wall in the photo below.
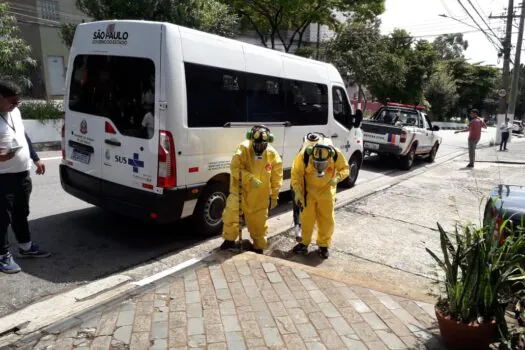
(49, 131)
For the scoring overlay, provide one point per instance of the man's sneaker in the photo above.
(33, 252)
(300, 249)
(298, 236)
(470, 165)
(8, 264)
(324, 253)
(257, 250)
(226, 245)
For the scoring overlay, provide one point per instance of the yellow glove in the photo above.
(256, 183)
(273, 203)
(299, 199)
(334, 181)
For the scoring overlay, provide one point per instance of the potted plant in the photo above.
(480, 274)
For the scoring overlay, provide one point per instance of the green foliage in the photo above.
(450, 46)
(15, 53)
(41, 110)
(274, 19)
(206, 15)
(67, 33)
(479, 273)
(442, 94)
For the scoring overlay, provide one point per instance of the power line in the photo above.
(482, 30)
(483, 19)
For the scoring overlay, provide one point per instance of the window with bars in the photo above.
(50, 10)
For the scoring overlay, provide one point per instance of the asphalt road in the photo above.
(88, 243)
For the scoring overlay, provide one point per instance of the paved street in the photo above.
(89, 244)
(254, 302)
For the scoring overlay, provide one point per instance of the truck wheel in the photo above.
(432, 155)
(408, 160)
(355, 166)
(207, 216)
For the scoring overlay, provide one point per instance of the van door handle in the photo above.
(113, 143)
(334, 136)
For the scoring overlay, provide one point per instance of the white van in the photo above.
(154, 112)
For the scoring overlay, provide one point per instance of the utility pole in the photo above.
(516, 73)
(318, 44)
(507, 45)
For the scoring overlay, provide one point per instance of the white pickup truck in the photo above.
(403, 131)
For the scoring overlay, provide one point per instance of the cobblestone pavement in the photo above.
(252, 302)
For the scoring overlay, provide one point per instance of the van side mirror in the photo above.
(358, 118)
(435, 128)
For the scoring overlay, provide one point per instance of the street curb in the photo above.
(66, 307)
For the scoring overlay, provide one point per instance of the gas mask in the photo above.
(259, 136)
(320, 156)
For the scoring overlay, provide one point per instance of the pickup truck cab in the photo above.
(403, 131)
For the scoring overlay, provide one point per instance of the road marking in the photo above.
(172, 270)
(51, 158)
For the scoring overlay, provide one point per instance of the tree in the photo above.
(15, 53)
(286, 21)
(207, 15)
(441, 93)
(450, 46)
(359, 52)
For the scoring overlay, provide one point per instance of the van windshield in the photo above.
(119, 88)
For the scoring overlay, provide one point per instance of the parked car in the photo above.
(403, 131)
(506, 202)
(518, 127)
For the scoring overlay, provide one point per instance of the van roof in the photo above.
(218, 37)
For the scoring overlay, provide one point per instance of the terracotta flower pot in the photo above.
(459, 335)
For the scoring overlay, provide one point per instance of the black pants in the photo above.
(15, 190)
(504, 138)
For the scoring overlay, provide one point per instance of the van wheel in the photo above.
(355, 166)
(407, 161)
(432, 155)
(207, 215)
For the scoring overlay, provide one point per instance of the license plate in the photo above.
(81, 157)
(369, 145)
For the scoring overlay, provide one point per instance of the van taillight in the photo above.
(403, 137)
(167, 173)
(63, 134)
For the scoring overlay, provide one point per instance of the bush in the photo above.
(41, 110)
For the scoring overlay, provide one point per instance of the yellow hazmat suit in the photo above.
(320, 195)
(261, 182)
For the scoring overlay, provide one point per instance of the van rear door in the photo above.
(120, 95)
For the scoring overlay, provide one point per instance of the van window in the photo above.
(119, 88)
(306, 103)
(341, 105)
(215, 96)
(265, 98)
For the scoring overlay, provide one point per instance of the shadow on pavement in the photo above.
(90, 244)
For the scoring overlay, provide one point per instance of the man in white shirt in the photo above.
(506, 128)
(15, 180)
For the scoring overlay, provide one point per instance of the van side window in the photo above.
(306, 103)
(103, 86)
(341, 105)
(265, 98)
(215, 96)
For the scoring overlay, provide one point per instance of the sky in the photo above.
(421, 19)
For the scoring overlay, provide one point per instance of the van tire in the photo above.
(355, 161)
(407, 161)
(207, 216)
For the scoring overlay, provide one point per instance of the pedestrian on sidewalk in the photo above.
(315, 174)
(506, 128)
(255, 181)
(474, 130)
(16, 153)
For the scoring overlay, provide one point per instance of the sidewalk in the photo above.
(250, 301)
(515, 153)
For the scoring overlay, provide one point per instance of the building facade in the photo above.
(39, 23)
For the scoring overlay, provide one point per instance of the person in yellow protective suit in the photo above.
(260, 169)
(315, 175)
